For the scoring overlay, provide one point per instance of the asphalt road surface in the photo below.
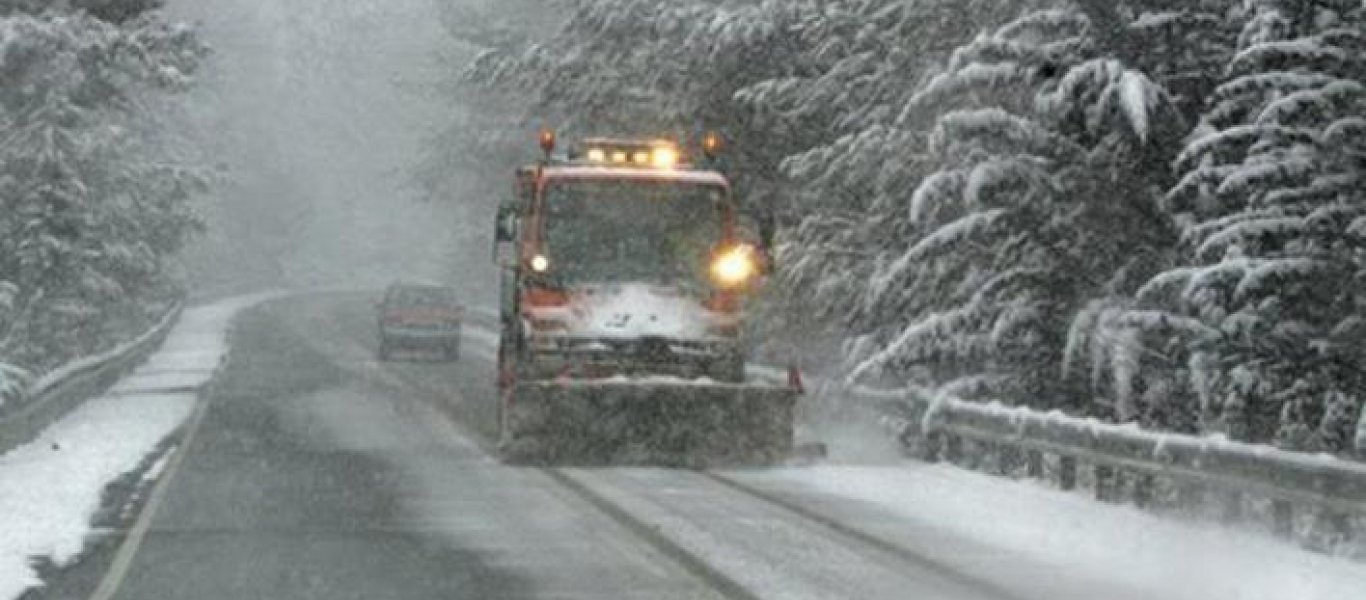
(318, 472)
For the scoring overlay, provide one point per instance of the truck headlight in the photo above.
(734, 266)
(540, 263)
(665, 158)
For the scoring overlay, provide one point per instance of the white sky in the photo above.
(315, 109)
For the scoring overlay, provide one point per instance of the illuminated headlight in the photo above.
(665, 158)
(540, 263)
(734, 267)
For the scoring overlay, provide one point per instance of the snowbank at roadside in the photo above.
(51, 488)
(1067, 537)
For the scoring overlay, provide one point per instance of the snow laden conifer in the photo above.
(1260, 328)
(14, 380)
(91, 201)
(1361, 435)
(631, 65)
(848, 169)
(1035, 199)
(1183, 45)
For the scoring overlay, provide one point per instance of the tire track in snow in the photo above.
(864, 537)
(660, 507)
(693, 563)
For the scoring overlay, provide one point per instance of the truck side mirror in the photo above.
(505, 237)
(505, 228)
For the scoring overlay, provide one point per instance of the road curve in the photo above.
(319, 472)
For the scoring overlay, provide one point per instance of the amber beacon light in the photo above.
(547, 140)
(712, 144)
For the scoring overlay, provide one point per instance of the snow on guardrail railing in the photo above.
(934, 429)
(55, 377)
(55, 393)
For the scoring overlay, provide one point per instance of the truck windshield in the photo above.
(615, 231)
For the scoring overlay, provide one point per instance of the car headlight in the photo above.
(735, 266)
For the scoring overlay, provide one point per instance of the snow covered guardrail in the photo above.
(1125, 462)
(54, 394)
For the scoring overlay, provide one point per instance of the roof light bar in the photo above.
(652, 154)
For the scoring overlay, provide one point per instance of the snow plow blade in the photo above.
(674, 424)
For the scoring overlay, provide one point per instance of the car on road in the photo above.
(420, 317)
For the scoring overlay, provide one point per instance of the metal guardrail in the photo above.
(1019, 439)
(58, 393)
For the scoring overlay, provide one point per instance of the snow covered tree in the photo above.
(1181, 44)
(850, 190)
(113, 11)
(845, 157)
(501, 24)
(91, 200)
(117, 11)
(1035, 198)
(633, 66)
(1260, 327)
(14, 380)
(1361, 435)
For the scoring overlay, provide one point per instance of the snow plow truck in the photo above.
(625, 274)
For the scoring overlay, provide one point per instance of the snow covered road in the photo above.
(50, 489)
(319, 472)
(1043, 543)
